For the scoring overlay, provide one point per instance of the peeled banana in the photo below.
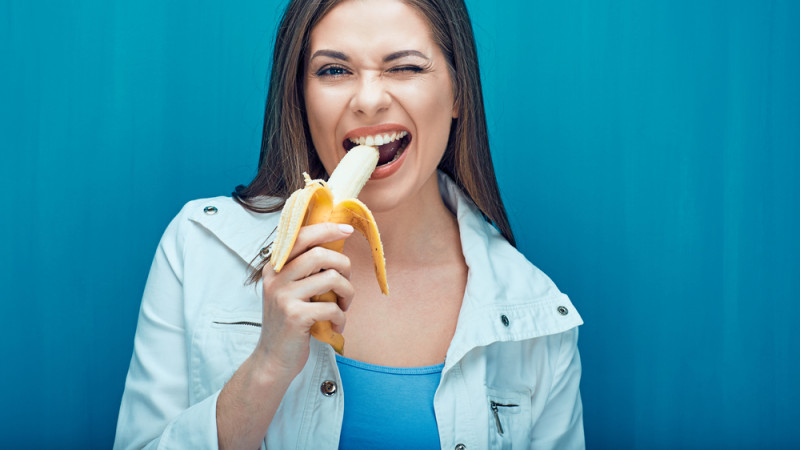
(334, 201)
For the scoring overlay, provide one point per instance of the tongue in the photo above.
(387, 151)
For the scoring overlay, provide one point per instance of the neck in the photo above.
(421, 230)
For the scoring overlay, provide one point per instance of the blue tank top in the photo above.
(388, 407)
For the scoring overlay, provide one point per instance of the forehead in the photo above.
(363, 26)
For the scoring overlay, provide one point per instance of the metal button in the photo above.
(328, 388)
(210, 210)
(562, 310)
(504, 319)
(461, 447)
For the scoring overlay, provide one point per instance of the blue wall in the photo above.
(647, 152)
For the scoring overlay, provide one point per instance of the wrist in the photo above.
(248, 402)
(270, 371)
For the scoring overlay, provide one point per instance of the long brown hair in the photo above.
(286, 146)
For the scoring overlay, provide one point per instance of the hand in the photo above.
(288, 312)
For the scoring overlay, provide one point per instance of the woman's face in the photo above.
(374, 75)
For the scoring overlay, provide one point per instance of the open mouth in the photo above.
(390, 145)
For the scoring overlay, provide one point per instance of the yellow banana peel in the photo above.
(334, 201)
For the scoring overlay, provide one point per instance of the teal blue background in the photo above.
(647, 153)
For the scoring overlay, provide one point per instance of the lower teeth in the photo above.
(396, 156)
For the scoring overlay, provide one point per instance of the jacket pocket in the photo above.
(509, 418)
(220, 344)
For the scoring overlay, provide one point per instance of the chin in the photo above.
(402, 190)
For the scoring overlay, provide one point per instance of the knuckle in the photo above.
(268, 283)
(293, 312)
(317, 252)
(346, 265)
(267, 271)
(332, 309)
(331, 275)
(339, 315)
(281, 298)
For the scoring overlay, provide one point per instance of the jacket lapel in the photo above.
(506, 298)
(239, 229)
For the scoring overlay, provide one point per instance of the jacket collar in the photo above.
(241, 230)
(501, 282)
(506, 298)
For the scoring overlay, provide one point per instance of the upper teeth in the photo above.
(378, 139)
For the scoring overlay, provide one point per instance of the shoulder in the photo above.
(512, 272)
(204, 210)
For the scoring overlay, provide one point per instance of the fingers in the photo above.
(302, 315)
(316, 260)
(288, 313)
(286, 330)
(330, 312)
(311, 270)
(322, 282)
(309, 237)
(318, 234)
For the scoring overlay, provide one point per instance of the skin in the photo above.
(413, 91)
(350, 84)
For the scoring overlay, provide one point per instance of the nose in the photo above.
(371, 96)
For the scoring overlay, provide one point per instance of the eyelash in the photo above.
(325, 71)
(341, 71)
(413, 69)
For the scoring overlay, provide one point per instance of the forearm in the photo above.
(248, 403)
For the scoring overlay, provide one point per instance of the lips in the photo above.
(391, 141)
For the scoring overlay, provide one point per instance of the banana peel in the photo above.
(333, 201)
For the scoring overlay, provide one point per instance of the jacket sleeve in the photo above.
(155, 410)
(560, 425)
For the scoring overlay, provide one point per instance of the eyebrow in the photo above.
(330, 53)
(391, 57)
(404, 53)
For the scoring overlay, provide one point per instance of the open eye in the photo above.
(332, 71)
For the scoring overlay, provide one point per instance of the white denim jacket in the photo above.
(515, 344)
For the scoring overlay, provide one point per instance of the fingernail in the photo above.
(345, 228)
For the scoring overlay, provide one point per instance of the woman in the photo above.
(474, 348)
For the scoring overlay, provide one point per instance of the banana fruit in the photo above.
(334, 201)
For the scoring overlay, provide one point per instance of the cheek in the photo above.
(434, 115)
(325, 106)
(314, 110)
(322, 120)
(434, 101)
